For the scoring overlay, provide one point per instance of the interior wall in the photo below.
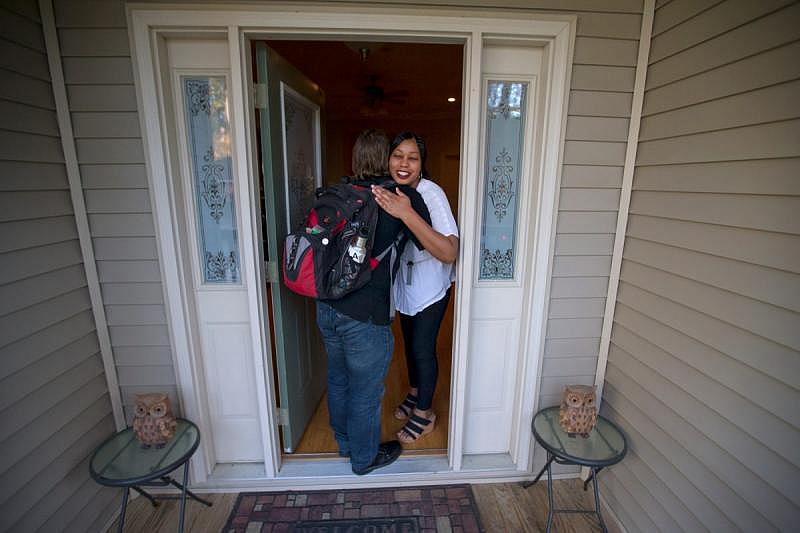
(704, 365)
(386, 87)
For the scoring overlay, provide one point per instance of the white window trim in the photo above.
(148, 23)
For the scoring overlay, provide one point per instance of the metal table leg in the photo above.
(595, 471)
(192, 495)
(551, 511)
(185, 492)
(539, 475)
(546, 467)
(597, 499)
(146, 495)
(124, 508)
(183, 495)
(551, 499)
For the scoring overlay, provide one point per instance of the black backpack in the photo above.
(332, 255)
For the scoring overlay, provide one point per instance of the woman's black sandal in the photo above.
(405, 409)
(416, 427)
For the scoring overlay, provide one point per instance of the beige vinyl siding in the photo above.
(99, 76)
(594, 154)
(54, 403)
(704, 364)
(599, 109)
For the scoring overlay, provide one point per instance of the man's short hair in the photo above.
(371, 154)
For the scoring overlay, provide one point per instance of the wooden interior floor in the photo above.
(318, 437)
(503, 507)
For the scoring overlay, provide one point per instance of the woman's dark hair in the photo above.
(423, 154)
(370, 154)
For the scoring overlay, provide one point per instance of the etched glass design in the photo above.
(505, 122)
(207, 126)
(302, 172)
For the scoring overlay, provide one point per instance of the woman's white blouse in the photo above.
(426, 279)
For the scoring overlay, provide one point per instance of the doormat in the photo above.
(402, 510)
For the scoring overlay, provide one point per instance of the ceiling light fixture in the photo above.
(451, 99)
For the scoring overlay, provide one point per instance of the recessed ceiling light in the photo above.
(451, 99)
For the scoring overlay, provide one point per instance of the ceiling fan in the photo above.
(375, 95)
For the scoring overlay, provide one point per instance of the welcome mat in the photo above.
(449, 508)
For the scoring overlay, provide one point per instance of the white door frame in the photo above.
(150, 24)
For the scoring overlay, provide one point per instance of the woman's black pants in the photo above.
(419, 334)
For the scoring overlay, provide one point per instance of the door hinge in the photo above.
(260, 95)
(271, 271)
(283, 416)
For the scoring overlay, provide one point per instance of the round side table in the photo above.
(121, 461)
(605, 446)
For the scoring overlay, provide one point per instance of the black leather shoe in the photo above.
(388, 452)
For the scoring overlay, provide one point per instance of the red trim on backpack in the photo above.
(304, 282)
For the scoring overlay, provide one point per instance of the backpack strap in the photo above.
(392, 250)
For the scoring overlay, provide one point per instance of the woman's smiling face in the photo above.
(405, 163)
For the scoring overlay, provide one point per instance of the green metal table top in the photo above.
(605, 446)
(122, 461)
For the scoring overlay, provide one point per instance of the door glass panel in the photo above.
(505, 121)
(300, 155)
(205, 100)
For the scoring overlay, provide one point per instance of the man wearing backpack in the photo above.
(356, 328)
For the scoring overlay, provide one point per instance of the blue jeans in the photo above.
(358, 360)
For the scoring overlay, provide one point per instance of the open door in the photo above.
(290, 109)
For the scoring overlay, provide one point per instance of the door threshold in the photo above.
(334, 456)
(319, 456)
(335, 472)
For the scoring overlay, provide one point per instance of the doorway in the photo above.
(496, 351)
(394, 87)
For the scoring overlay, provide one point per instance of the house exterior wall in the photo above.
(102, 99)
(98, 74)
(54, 403)
(704, 364)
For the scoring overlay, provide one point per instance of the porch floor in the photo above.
(505, 507)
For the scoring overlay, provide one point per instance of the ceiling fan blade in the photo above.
(399, 93)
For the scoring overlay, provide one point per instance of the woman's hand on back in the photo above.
(444, 248)
(396, 204)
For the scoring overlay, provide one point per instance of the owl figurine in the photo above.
(153, 423)
(578, 412)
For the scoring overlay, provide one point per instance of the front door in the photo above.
(291, 160)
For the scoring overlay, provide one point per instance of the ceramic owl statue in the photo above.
(153, 424)
(578, 412)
